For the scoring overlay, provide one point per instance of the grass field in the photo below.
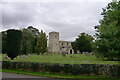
(58, 58)
(68, 76)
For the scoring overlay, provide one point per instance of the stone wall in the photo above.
(66, 46)
(89, 69)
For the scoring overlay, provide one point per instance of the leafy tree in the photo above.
(83, 43)
(108, 32)
(13, 42)
(41, 45)
(35, 32)
(27, 41)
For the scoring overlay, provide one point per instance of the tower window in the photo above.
(62, 43)
(67, 43)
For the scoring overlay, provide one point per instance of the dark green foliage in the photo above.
(5, 64)
(83, 43)
(76, 69)
(34, 66)
(108, 32)
(13, 42)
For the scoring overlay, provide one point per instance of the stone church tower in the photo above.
(54, 46)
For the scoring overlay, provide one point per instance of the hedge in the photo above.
(76, 69)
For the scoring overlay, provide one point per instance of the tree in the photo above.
(35, 32)
(44, 41)
(13, 42)
(41, 45)
(83, 43)
(27, 41)
(108, 32)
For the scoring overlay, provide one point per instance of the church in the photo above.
(57, 46)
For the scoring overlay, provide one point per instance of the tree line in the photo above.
(25, 41)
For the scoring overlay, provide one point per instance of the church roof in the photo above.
(66, 41)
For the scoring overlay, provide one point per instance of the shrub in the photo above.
(96, 69)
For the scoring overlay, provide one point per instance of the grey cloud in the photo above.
(68, 18)
(17, 14)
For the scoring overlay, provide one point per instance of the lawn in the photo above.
(58, 58)
(54, 75)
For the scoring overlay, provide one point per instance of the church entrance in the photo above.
(71, 51)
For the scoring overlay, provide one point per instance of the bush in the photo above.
(96, 69)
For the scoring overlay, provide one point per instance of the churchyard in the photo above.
(59, 58)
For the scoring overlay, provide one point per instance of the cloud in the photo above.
(17, 14)
(67, 18)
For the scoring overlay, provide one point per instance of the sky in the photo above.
(69, 18)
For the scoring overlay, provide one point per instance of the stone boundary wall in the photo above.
(89, 69)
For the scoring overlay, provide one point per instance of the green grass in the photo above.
(54, 75)
(58, 58)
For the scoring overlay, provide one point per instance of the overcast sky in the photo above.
(67, 18)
